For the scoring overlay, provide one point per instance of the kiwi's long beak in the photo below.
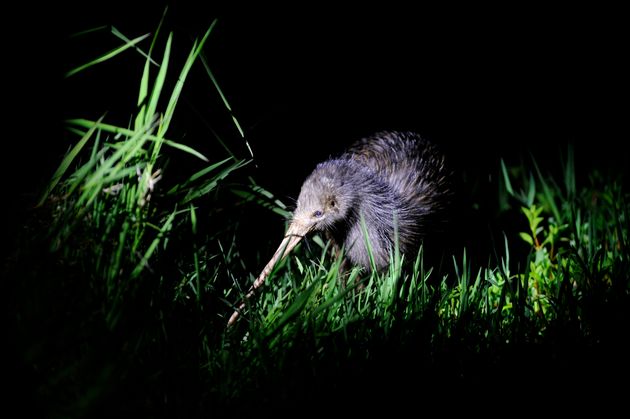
(296, 231)
(294, 235)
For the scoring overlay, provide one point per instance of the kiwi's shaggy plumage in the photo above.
(392, 181)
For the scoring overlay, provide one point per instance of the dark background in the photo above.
(484, 82)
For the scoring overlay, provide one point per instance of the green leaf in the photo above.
(490, 277)
(528, 238)
(318, 241)
(299, 265)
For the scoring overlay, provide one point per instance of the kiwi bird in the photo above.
(386, 187)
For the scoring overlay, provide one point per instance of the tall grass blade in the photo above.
(86, 123)
(226, 103)
(569, 173)
(144, 81)
(88, 31)
(107, 55)
(170, 108)
(159, 84)
(548, 192)
(292, 311)
(144, 262)
(210, 184)
(506, 179)
(66, 162)
(122, 37)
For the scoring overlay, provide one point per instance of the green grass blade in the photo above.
(506, 179)
(226, 103)
(368, 243)
(170, 108)
(142, 96)
(292, 311)
(531, 191)
(107, 55)
(124, 154)
(87, 31)
(86, 123)
(154, 244)
(203, 172)
(569, 173)
(207, 170)
(144, 82)
(263, 198)
(181, 147)
(119, 35)
(209, 185)
(548, 193)
(67, 161)
(159, 81)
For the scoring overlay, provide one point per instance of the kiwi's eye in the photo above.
(332, 204)
(317, 214)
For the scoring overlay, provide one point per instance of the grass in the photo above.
(126, 311)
